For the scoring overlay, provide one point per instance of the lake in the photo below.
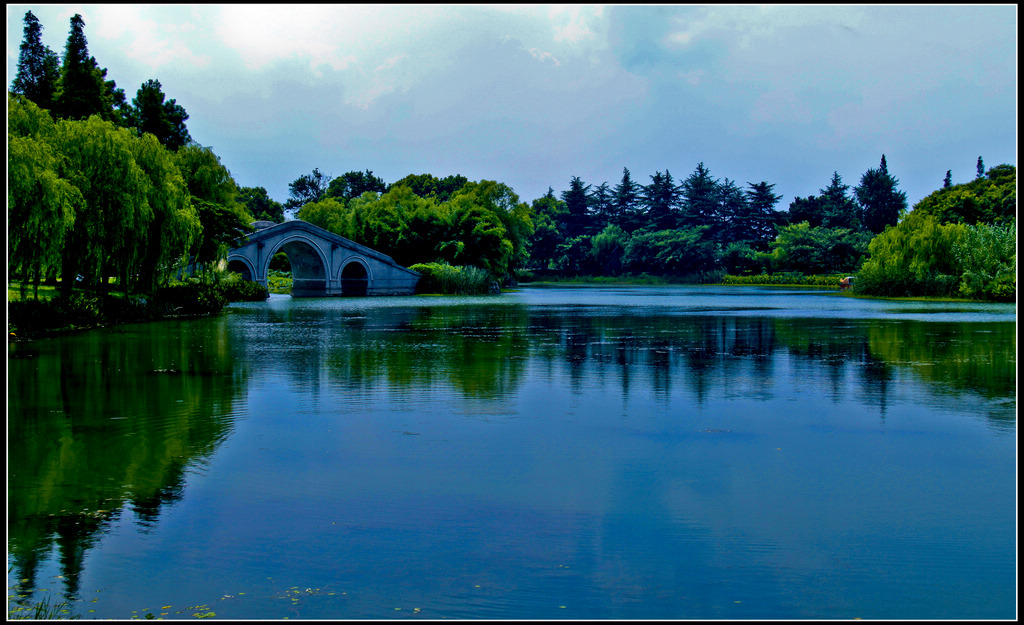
(555, 452)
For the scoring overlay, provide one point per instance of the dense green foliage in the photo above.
(258, 204)
(236, 289)
(987, 255)
(958, 241)
(149, 113)
(914, 258)
(990, 199)
(89, 200)
(98, 188)
(87, 309)
(483, 224)
(820, 250)
(702, 226)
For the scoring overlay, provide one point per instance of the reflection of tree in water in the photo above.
(958, 359)
(107, 421)
(481, 351)
(477, 349)
(658, 348)
(147, 507)
(955, 358)
(876, 375)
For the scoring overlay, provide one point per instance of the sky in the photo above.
(532, 95)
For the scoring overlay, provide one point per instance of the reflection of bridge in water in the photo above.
(322, 262)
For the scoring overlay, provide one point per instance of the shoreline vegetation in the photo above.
(49, 313)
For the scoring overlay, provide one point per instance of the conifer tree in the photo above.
(838, 209)
(661, 198)
(981, 168)
(603, 205)
(83, 89)
(699, 198)
(164, 120)
(761, 213)
(948, 182)
(577, 217)
(733, 212)
(38, 67)
(626, 196)
(881, 204)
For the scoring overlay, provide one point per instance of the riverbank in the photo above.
(49, 313)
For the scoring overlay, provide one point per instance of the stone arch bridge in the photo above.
(323, 263)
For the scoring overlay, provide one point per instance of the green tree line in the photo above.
(704, 225)
(698, 227)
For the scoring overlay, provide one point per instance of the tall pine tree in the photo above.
(661, 198)
(761, 214)
(881, 204)
(602, 204)
(626, 197)
(83, 89)
(838, 209)
(577, 217)
(38, 67)
(700, 199)
(733, 213)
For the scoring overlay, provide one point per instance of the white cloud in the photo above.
(154, 41)
(543, 56)
(576, 23)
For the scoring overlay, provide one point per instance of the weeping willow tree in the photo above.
(88, 200)
(108, 234)
(41, 206)
(988, 260)
(175, 225)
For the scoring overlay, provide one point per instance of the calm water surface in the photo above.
(570, 452)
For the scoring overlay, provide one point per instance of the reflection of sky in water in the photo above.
(635, 457)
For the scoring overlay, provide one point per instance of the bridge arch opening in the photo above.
(309, 275)
(239, 267)
(354, 279)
